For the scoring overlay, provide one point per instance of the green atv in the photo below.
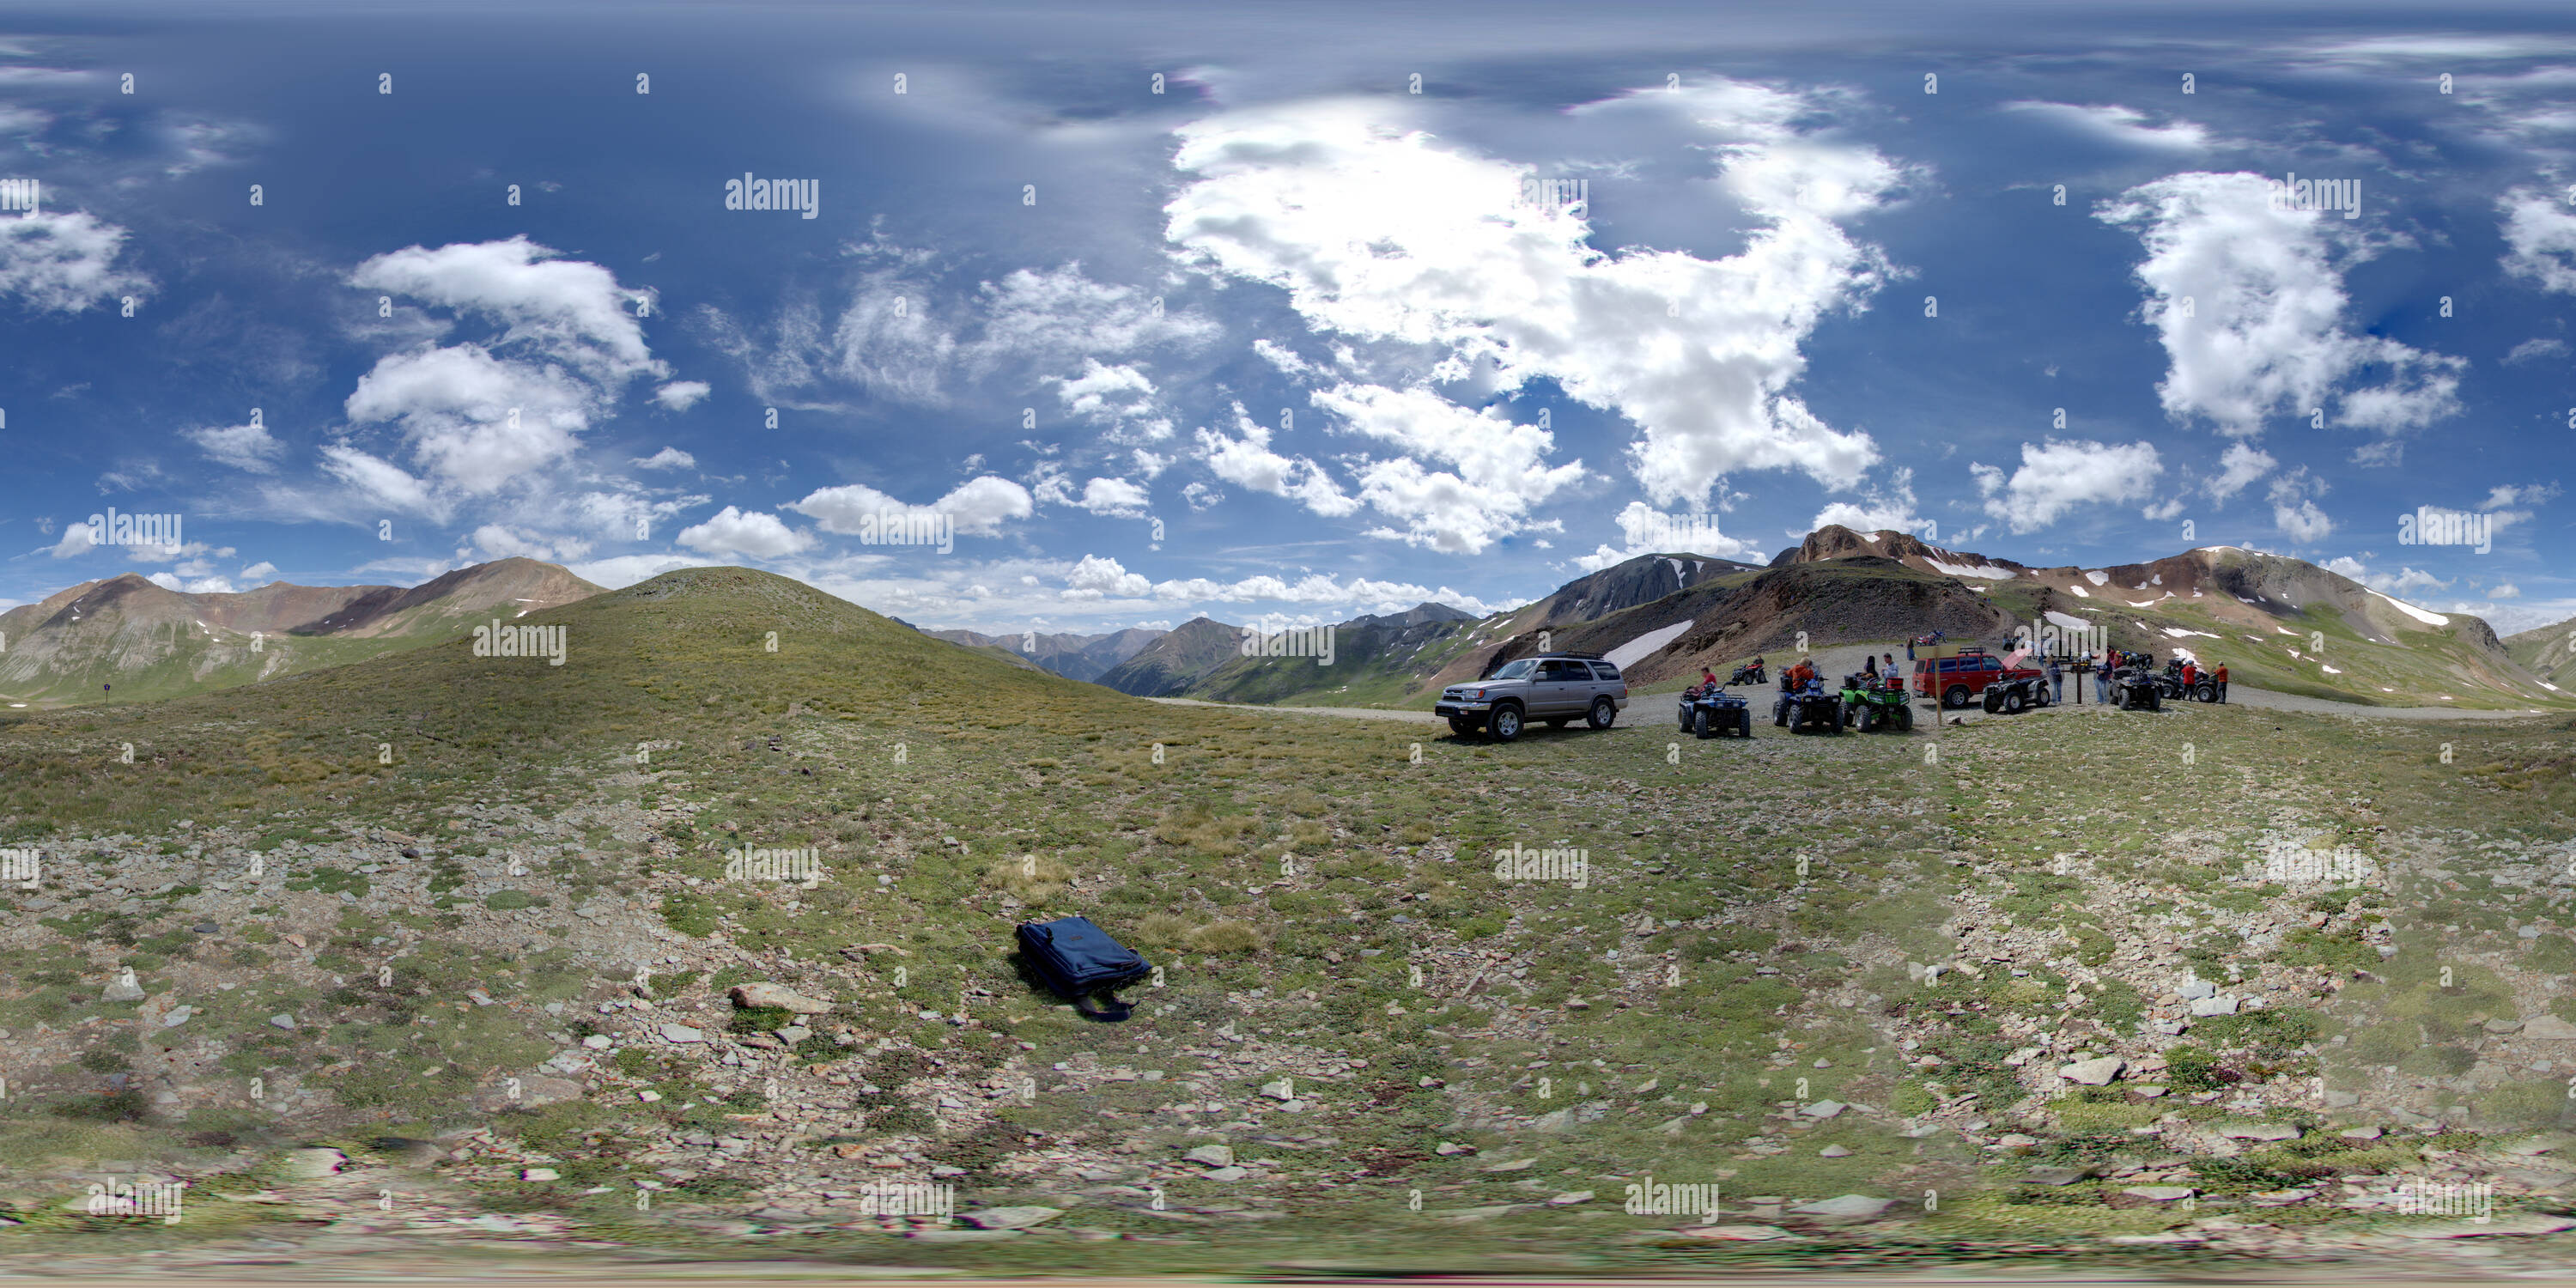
(1875, 706)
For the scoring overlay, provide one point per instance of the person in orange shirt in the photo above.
(2218, 676)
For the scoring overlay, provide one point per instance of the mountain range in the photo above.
(127, 638)
(2279, 623)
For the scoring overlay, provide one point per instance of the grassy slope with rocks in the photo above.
(1736, 994)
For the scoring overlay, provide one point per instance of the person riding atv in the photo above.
(1804, 700)
(1872, 705)
(1749, 673)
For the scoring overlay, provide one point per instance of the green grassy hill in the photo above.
(411, 896)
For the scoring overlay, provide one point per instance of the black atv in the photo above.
(1871, 705)
(2014, 696)
(1749, 673)
(2136, 689)
(1710, 711)
(1815, 708)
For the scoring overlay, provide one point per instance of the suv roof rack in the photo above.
(1591, 657)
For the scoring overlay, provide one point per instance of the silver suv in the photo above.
(1555, 687)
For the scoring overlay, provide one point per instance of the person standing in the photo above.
(2056, 681)
(2218, 676)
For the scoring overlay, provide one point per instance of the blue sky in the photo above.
(1288, 340)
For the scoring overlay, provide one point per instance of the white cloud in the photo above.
(2534, 350)
(2302, 522)
(741, 532)
(2240, 465)
(480, 417)
(1282, 357)
(2540, 236)
(76, 540)
(260, 573)
(162, 579)
(243, 447)
(1098, 577)
(2348, 566)
(473, 420)
(1393, 239)
(499, 541)
(1499, 475)
(2062, 475)
(2293, 510)
(381, 481)
(572, 310)
(2504, 590)
(63, 261)
(2504, 495)
(977, 507)
(681, 395)
(1114, 498)
(2125, 126)
(622, 571)
(1650, 531)
(2264, 335)
(669, 458)
(1120, 397)
(1888, 510)
(1248, 462)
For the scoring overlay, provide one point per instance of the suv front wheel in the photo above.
(1505, 723)
(1603, 712)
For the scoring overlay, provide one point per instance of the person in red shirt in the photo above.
(2218, 676)
(2190, 674)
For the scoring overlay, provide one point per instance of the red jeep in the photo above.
(1958, 680)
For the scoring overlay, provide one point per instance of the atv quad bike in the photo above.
(1749, 673)
(1873, 706)
(1814, 707)
(2014, 696)
(1712, 711)
(2136, 690)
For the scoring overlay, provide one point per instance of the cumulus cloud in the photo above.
(63, 261)
(977, 507)
(1647, 531)
(1114, 498)
(499, 541)
(243, 447)
(1499, 468)
(1247, 461)
(681, 395)
(1388, 237)
(1891, 509)
(479, 416)
(2249, 307)
(1098, 577)
(669, 458)
(571, 309)
(2062, 475)
(2240, 465)
(2540, 240)
(260, 573)
(76, 540)
(475, 421)
(744, 532)
(2295, 511)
